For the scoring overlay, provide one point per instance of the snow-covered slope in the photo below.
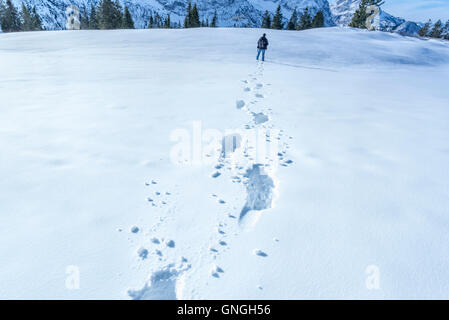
(97, 202)
(343, 11)
(230, 13)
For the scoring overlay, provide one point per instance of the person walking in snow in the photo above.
(262, 45)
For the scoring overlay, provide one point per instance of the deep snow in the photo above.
(359, 180)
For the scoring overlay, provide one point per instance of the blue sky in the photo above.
(418, 10)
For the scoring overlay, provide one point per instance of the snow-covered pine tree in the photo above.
(2, 10)
(84, 18)
(214, 21)
(93, 22)
(446, 31)
(27, 21)
(118, 14)
(266, 20)
(195, 18)
(37, 22)
(437, 30)
(167, 22)
(277, 19)
(305, 21)
(424, 31)
(128, 22)
(157, 20)
(188, 17)
(291, 25)
(10, 19)
(360, 16)
(107, 15)
(318, 20)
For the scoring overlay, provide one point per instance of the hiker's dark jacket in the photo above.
(262, 43)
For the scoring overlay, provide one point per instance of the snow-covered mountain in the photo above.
(230, 12)
(343, 11)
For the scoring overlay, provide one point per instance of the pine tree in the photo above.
(266, 20)
(2, 11)
(360, 16)
(118, 14)
(195, 18)
(437, 30)
(167, 22)
(109, 15)
(93, 22)
(151, 22)
(214, 21)
(27, 21)
(446, 31)
(318, 20)
(293, 21)
(423, 32)
(187, 20)
(84, 18)
(127, 22)
(305, 21)
(157, 20)
(10, 19)
(277, 19)
(105, 15)
(37, 22)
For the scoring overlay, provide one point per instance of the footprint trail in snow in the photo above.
(242, 163)
(249, 158)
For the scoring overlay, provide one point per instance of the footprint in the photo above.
(142, 253)
(259, 192)
(215, 174)
(239, 104)
(216, 270)
(135, 229)
(162, 285)
(247, 89)
(260, 117)
(260, 253)
(258, 95)
(170, 244)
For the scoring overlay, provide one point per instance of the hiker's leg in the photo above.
(263, 55)
(258, 54)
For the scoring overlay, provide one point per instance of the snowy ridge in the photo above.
(239, 12)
